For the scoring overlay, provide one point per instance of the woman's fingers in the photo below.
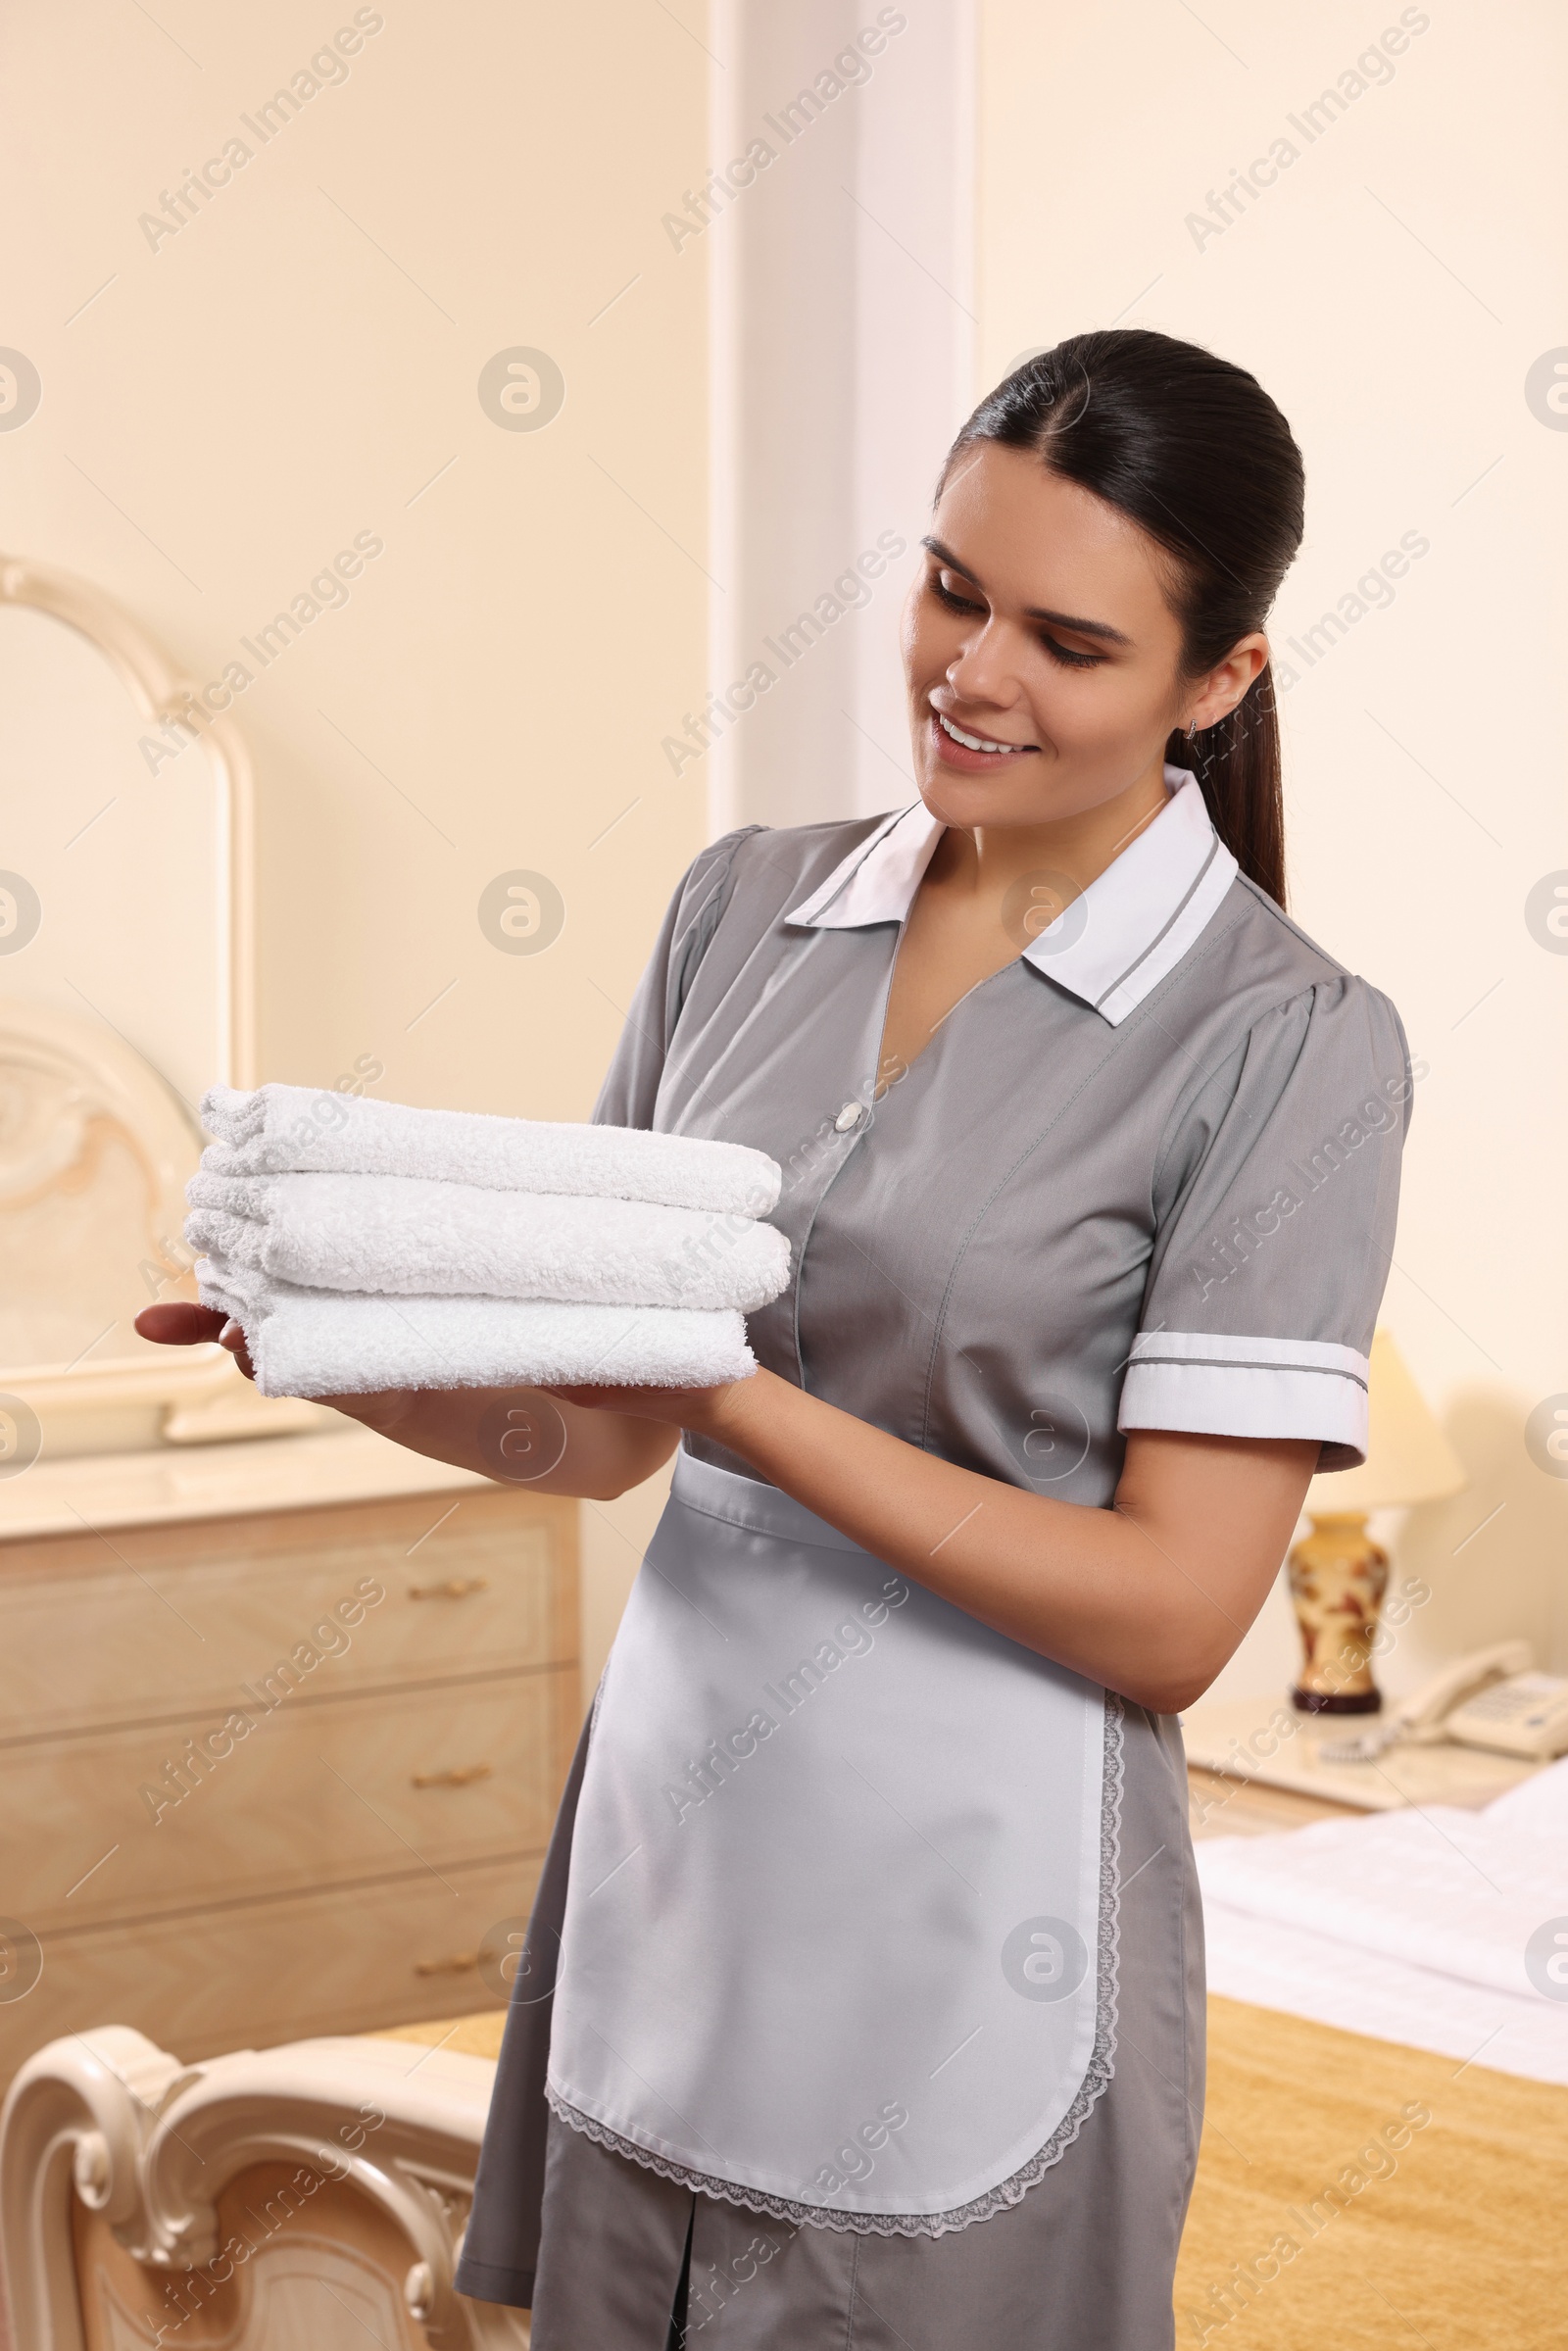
(381, 1409)
(644, 1400)
(181, 1324)
(682, 1406)
(588, 1399)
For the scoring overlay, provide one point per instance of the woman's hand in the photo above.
(705, 1411)
(178, 1324)
(505, 1434)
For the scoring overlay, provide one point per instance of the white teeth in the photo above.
(974, 742)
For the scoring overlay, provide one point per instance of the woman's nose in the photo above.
(984, 671)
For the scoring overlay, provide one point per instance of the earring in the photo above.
(1191, 732)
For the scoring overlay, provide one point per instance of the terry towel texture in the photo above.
(405, 1237)
(320, 1342)
(364, 1245)
(279, 1130)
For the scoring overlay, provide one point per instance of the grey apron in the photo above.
(840, 1932)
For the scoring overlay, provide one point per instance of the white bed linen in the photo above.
(1411, 1926)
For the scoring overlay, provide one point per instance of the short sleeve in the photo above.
(630, 1091)
(1268, 1271)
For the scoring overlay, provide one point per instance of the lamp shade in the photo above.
(1408, 1459)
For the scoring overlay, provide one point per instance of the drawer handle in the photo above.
(463, 1775)
(454, 1588)
(460, 1963)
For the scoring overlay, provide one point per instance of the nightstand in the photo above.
(1268, 1745)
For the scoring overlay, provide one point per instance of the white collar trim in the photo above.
(876, 882)
(1111, 947)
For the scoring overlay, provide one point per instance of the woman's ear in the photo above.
(1228, 681)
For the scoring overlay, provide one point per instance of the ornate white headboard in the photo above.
(271, 2200)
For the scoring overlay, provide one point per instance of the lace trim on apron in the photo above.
(1017, 2185)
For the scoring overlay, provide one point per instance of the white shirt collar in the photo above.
(1111, 945)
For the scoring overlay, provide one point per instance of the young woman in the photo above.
(863, 1997)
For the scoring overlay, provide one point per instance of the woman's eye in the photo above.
(1068, 659)
(1063, 654)
(951, 599)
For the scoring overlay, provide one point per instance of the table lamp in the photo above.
(1338, 1573)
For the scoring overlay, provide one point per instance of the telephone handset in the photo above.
(1492, 1698)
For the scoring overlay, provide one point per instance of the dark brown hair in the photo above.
(1194, 450)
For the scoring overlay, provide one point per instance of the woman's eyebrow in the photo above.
(1079, 627)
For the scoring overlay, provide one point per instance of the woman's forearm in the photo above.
(519, 1435)
(1149, 1597)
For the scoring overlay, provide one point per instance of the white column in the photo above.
(841, 320)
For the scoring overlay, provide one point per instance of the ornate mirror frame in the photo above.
(130, 1401)
(162, 692)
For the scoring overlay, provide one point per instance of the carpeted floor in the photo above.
(1329, 2215)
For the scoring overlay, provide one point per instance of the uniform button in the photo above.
(849, 1117)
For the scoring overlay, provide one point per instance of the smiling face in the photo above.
(1041, 631)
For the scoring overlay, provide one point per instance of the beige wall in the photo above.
(1391, 289)
(298, 365)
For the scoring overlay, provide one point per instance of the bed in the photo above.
(1357, 2192)
(1329, 2215)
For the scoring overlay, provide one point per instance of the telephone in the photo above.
(1492, 1698)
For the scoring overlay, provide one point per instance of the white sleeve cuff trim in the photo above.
(1289, 1355)
(1253, 1387)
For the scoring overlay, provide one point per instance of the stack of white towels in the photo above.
(363, 1245)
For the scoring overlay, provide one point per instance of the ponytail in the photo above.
(1238, 770)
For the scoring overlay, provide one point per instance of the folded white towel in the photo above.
(314, 1342)
(405, 1237)
(287, 1130)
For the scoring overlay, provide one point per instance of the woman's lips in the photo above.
(958, 754)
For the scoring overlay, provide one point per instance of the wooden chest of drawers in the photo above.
(274, 1771)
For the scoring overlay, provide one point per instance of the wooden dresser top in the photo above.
(350, 1464)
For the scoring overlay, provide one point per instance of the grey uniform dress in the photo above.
(1144, 1176)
